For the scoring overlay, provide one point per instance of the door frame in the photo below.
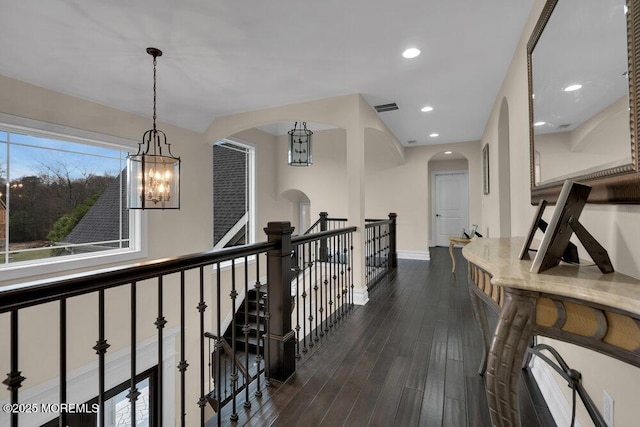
(464, 172)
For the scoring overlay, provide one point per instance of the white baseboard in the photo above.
(558, 405)
(360, 296)
(417, 255)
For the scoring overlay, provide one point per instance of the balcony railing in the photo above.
(380, 249)
(239, 317)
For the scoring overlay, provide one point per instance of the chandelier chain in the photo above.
(154, 92)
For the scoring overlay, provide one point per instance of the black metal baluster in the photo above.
(376, 248)
(331, 288)
(259, 337)
(340, 274)
(267, 335)
(325, 282)
(14, 378)
(297, 314)
(343, 261)
(309, 267)
(183, 365)
(317, 310)
(374, 260)
(339, 278)
(133, 390)
(347, 262)
(245, 330)
(218, 346)
(334, 277)
(226, 377)
(323, 293)
(387, 247)
(101, 348)
(351, 267)
(367, 260)
(62, 419)
(304, 302)
(202, 307)
(160, 323)
(317, 288)
(234, 367)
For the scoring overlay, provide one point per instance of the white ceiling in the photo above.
(225, 57)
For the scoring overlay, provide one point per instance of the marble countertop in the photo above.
(499, 257)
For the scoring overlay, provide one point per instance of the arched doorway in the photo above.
(301, 209)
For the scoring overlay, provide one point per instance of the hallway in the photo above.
(408, 357)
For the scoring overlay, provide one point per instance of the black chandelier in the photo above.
(300, 145)
(154, 176)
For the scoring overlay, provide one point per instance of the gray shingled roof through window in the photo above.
(102, 221)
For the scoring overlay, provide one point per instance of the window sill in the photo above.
(27, 271)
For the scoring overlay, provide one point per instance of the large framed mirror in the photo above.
(583, 99)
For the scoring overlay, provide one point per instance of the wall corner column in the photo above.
(356, 207)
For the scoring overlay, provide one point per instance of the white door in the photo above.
(450, 205)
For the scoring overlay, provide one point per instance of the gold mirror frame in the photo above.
(614, 185)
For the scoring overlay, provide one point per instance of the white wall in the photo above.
(615, 227)
(170, 233)
(405, 190)
(324, 182)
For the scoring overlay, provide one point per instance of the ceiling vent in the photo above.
(411, 141)
(564, 126)
(386, 107)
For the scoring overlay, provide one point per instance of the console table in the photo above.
(577, 304)
(456, 241)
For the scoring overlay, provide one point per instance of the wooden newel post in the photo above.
(281, 338)
(393, 251)
(324, 226)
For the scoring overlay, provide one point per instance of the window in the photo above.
(118, 407)
(233, 194)
(61, 198)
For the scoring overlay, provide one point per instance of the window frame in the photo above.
(137, 219)
(251, 190)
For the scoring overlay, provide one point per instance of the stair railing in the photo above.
(380, 249)
(158, 296)
(323, 284)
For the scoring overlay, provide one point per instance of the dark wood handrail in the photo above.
(376, 222)
(306, 238)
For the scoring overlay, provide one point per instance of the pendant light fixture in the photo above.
(300, 145)
(154, 175)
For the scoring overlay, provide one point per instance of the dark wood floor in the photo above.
(408, 357)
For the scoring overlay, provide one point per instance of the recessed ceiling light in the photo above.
(412, 52)
(433, 135)
(571, 88)
(539, 123)
(448, 152)
(426, 109)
